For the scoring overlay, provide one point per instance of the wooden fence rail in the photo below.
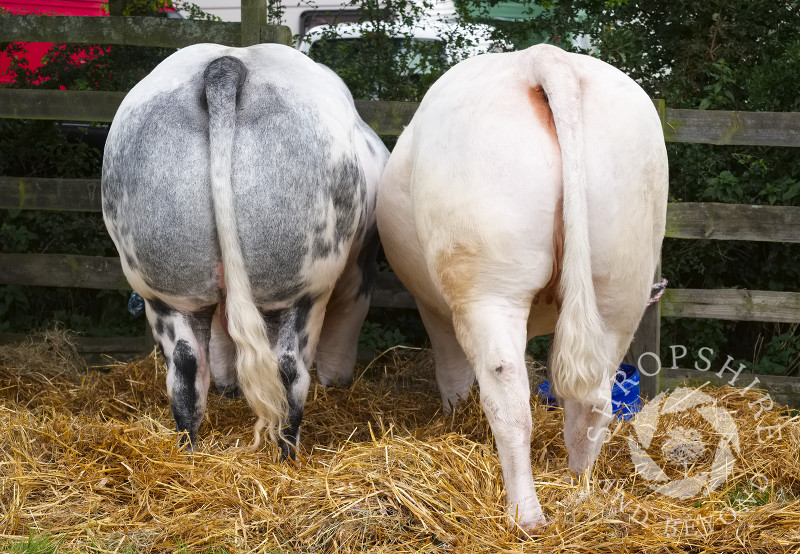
(735, 128)
(691, 220)
(133, 31)
(684, 220)
(389, 118)
(105, 273)
(732, 304)
(96, 272)
(386, 118)
(145, 31)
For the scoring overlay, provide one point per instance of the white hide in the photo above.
(469, 211)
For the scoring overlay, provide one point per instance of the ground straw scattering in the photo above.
(90, 459)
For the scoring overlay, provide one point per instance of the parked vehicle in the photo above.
(398, 58)
(456, 41)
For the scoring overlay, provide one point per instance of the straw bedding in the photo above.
(90, 459)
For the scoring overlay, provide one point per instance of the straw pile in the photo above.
(91, 460)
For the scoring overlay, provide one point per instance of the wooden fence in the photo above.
(684, 220)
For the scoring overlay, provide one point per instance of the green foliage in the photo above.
(404, 69)
(375, 336)
(55, 232)
(53, 149)
(538, 348)
(719, 54)
(46, 149)
(194, 11)
(387, 62)
(385, 328)
(14, 308)
(275, 11)
(755, 177)
(531, 24)
(16, 238)
(35, 544)
(780, 354)
(742, 176)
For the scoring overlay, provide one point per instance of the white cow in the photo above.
(242, 182)
(526, 197)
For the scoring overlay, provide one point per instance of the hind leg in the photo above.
(489, 292)
(222, 356)
(183, 338)
(335, 356)
(493, 335)
(296, 331)
(585, 427)
(586, 422)
(625, 254)
(454, 373)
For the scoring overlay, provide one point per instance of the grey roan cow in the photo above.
(239, 187)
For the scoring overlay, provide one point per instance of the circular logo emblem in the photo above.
(683, 451)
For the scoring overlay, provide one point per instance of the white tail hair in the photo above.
(577, 358)
(256, 366)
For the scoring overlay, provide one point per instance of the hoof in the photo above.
(570, 479)
(527, 516)
(231, 391)
(532, 525)
(288, 451)
(187, 443)
(335, 381)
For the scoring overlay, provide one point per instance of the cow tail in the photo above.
(256, 365)
(578, 361)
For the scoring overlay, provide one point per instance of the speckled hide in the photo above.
(239, 187)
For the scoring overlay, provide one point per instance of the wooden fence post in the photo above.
(645, 349)
(254, 16)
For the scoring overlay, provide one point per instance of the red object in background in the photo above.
(57, 7)
(35, 51)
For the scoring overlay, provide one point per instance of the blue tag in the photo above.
(135, 305)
